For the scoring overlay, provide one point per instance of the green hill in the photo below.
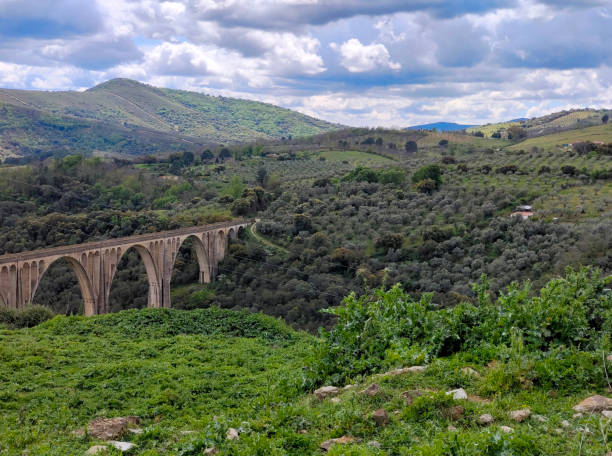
(548, 124)
(126, 116)
(192, 376)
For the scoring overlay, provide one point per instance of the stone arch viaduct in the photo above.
(95, 264)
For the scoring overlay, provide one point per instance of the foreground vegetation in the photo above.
(191, 376)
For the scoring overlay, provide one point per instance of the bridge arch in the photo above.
(87, 293)
(201, 255)
(153, 278)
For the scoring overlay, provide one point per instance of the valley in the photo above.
(374, 250)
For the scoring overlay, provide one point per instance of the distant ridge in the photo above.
(440, 126)
(128, 117)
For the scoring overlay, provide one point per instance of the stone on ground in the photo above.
(211, 450)
(485, 420)
(372, 390)
(405, 370)
(520, 415)
(380, 417)
(594, 404)
(458, 393)
(410, 395)
(232, 434)
(607, 413)
(456, 412)
(97, 449)
(506, 429)
(335, 400)
(326, 391)
(469, 371)
(374, 444)
(540, 418)
(339, 441)
(565, 424)
(111, 428)
(122, 446)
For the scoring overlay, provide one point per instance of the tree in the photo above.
(207, 155)
(262, 174)
(426, 186)
(515, 132)
(390, 241)
(604, 118)
(411, 146)
(432, 172)
(496, 135)
(443, 142)
(225, 153)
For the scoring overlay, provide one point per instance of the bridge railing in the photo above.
(78, 248)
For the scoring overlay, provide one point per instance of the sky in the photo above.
(357, 62)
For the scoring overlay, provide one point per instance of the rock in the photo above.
(607, 413)
(405, 370)
(456, 412)
(458, 393)
(122, 446)
(348, 387)
(374, 444)
(335, 400)
(380, 417)
(471, 372)
(136, 430)
(339, 441)
(409, 396)
(540, 418)
(565, 424)
(594, 404)
(609, 358)
(232, 434)
(451, 428)
(97, 449)
(558, 431)
(326, 391)
(372, 390)
(111, 428)
(577, 415)
(506, 429)
(485, 420)
(520, 415)
(211, 450)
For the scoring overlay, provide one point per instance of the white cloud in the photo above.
(358, 58)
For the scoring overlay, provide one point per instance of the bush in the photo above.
(383, 328)
(25, 318)
(432, 172)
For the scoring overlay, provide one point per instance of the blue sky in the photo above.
(358, 62)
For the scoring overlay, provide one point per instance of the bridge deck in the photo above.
(76, 248)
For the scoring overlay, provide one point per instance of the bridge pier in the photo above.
(95, 265)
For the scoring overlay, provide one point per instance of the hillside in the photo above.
(213, 381)
(548, 124)
(126, 116)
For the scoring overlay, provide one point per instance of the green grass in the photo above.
(192, 375)
(177, 370)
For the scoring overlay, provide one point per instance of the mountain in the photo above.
(440, 126)
(126, 116)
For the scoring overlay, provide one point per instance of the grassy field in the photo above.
(598, 133)
(190, 376)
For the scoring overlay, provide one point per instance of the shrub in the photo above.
(25, 318)
(432, 172)
(382, 327)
